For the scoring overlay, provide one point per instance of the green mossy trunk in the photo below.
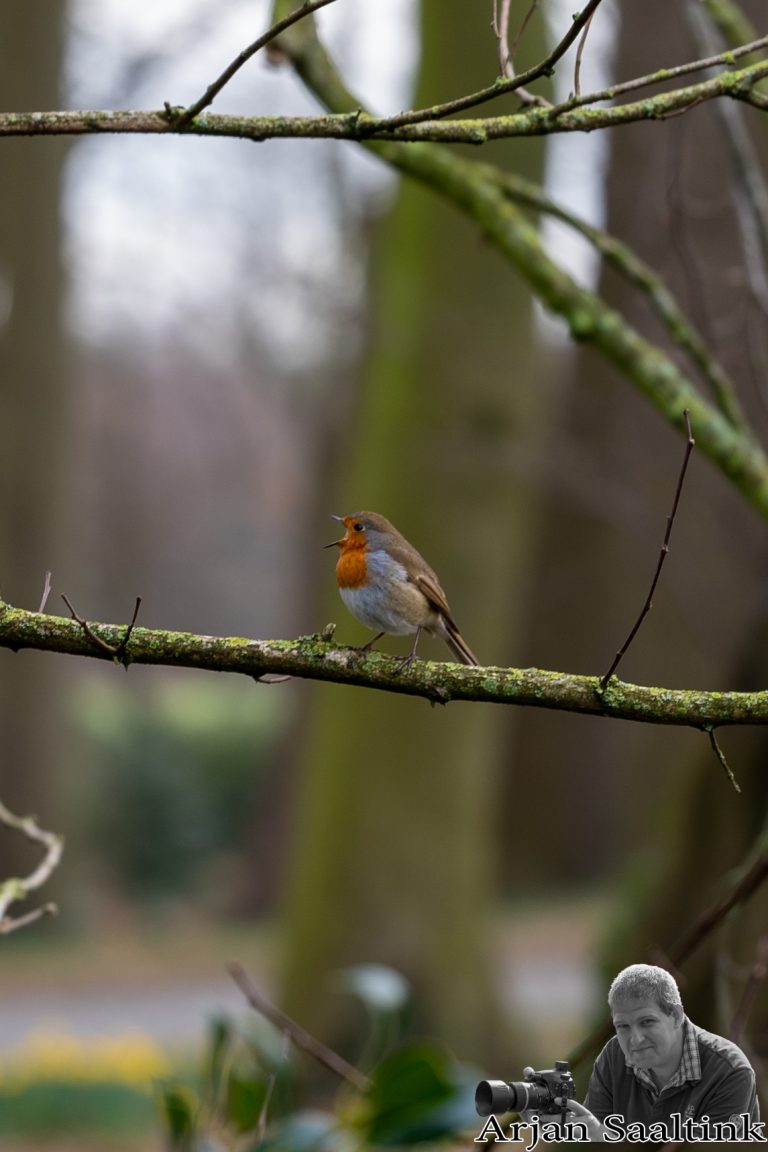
(393, 858)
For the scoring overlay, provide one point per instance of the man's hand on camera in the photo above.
(580, 1114)
(575, 1113)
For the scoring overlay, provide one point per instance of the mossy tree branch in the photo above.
(478, 190)
(317, 658)
(360, 126)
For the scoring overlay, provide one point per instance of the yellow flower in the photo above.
(132, 1058)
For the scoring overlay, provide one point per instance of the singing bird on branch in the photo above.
(388, 586)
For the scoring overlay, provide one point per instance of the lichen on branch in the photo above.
(318, 658)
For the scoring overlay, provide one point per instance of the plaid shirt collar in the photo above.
(689, 1068)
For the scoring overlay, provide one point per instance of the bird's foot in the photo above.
(406, 661)
(364, 649)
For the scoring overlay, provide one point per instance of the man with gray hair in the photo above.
(663, 1076)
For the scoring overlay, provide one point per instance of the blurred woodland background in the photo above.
(207, 347)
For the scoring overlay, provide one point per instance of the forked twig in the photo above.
(183, 117)
(298, 1035)
(116, 651)
(545, 68)
(20, 887)
(662, 556)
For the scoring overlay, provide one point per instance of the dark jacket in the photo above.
(726, 1088)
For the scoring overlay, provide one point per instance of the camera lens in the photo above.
(494, 1097)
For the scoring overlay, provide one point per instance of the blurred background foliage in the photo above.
(205, 349)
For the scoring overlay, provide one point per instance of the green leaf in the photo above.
(178, 1109)
(246, 1097)
(220, 1034)
(418, 1094)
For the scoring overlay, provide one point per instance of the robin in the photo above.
(390, 588)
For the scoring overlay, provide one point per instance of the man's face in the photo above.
(648, 1037)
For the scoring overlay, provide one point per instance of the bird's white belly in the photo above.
(379, 604)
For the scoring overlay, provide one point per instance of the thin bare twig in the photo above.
(18, 888)
(298, 1035)
(663, 75)
(721, 757)
(183, 117)
(506, 54)
(500, 25)
(450, 107)
(87, 629)
(46, 592)
(545, 68)
(120, 650)
(521, 30)
(662, 556)
(579, 54)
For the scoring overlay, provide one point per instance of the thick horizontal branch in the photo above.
(359, 126)
(316, 658)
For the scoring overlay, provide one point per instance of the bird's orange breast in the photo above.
(351, 568)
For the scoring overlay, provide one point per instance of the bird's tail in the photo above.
(458, 644)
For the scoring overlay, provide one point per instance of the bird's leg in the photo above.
(406, 661)
(363, 648)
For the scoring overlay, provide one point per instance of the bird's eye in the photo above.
(358, 526)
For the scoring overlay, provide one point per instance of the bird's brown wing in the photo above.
(447, 625)
(433, 592)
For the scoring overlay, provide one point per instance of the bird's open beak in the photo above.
(335, 543)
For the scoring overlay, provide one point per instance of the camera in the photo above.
(538, 1090)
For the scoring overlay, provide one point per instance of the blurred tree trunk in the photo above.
(33, 392)
(393, 860)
